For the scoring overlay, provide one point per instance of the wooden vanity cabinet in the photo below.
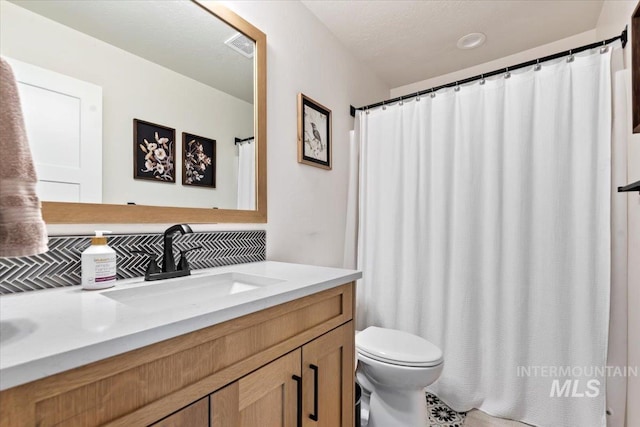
(270, 396)
(239, 373)
(328, 379)
(266, 397)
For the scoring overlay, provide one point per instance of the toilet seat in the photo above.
(397, 348)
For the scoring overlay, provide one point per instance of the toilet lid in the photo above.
(397, 347)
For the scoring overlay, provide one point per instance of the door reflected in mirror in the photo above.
(87, 69)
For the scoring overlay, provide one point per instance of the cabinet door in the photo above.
(265, 397)
(194, 415)
(328, 379)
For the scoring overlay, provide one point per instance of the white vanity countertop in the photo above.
(46, 332)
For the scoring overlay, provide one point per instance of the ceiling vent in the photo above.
(241, 44)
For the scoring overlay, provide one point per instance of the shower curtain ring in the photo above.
(604, 47)
(482, 81)
(507, 74)
(384, 107)
(570, 58)
(433, 94)
(417, 96)
(538, 67)
(457, 88)
(401, 102)
(366, 110)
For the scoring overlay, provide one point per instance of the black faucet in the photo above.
(169, 268)
(168, 262)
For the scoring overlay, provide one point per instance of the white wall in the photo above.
(307, 205)
(135, 88)
(614, 16)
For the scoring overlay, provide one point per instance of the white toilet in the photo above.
(394, 367)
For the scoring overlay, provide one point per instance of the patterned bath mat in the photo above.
(440, 415)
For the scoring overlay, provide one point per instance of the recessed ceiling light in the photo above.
(471, 41)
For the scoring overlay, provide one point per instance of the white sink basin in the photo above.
(188, 290)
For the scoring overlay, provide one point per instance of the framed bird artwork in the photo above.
(314, 133)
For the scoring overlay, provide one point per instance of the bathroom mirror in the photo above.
(141, 111)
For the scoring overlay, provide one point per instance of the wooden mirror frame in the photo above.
(93, 213)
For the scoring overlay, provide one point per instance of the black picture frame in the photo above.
(154, 152)
(314, 133)
(198, 161)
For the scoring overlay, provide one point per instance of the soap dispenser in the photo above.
(98, 263)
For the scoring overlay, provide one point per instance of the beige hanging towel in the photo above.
(22, 230)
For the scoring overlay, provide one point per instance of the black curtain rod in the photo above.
(240, 141)
(622, 37)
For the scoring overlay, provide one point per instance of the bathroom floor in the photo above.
(477, 418)
(440, 415)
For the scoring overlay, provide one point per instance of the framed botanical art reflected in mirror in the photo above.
(198, 160)
(154, 152)
(314, 133)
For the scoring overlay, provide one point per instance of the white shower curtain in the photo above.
(247, 175)
(484, 226)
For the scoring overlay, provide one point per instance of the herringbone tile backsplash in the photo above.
(60, 266)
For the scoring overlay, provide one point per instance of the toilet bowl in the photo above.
(394, 367)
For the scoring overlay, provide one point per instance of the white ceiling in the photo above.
(408, 41)
(175, 34)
